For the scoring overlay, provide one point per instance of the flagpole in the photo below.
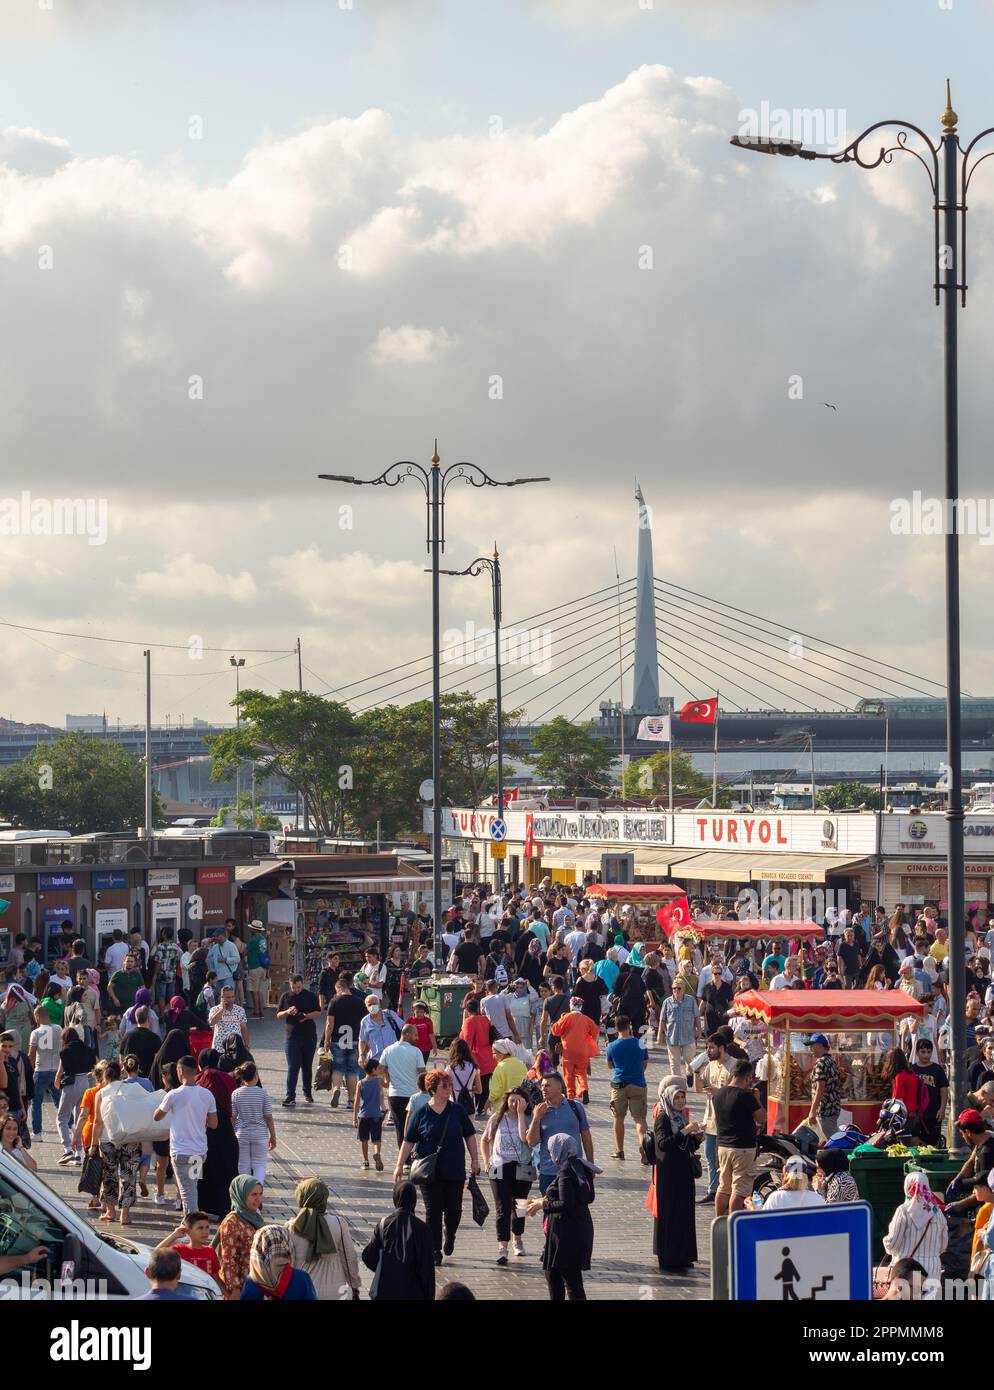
(621, 675)
(672, 716)
(714, 756)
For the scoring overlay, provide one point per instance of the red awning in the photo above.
(639, 892)
(754, 930)
(827, 1008)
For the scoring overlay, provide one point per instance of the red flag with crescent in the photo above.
(700, 711)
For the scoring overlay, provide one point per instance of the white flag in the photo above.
(655, 728)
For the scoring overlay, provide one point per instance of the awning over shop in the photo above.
(739, 867)
(723, 868)
(660, 861)
(579, 855)
(417, 883)
(827, 1008)
(803, 868)
(249, 873)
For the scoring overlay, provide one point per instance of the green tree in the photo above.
(650, 776)
(569, 756)
(239, 814)
(843, 796)
(309, 741)
(393, 758)
(78, 782)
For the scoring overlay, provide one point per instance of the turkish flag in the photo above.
(700, 711)
(673, 915)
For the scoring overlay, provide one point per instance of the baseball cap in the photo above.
(969, 1117)
(816, 1038)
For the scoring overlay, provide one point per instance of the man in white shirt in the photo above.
(576, 940)
(43, 1058)
(790, 977)
(192, 1112)
(116, 954)
(488, 920)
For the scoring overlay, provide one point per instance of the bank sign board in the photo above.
(927, 835)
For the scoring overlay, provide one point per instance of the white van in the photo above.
(107, 1264)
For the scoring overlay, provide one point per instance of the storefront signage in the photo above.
(650, 829)
(7, 883)
(741, 830)
(110, 879)
(212, 876)
(162, 878)
(47, 882)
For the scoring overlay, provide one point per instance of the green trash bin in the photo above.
(880, 1180)
(444, 998)
(939, 1168)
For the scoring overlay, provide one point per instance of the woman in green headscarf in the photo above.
(321, 1243)
(237, 1231)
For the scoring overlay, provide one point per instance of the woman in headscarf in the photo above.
(175, 1044)
(321, 1243)
(509, 1072)
(401, 1253)
(222, 1145)
(607, 969)
(143, 996)
(918, 1231)
(272, 1277)
(180, 1015)
(569, 1230)
(236, 1232)
(532, 963)
(671, 1191)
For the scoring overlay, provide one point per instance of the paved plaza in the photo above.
(316, 1141)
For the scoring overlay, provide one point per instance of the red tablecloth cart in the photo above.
(853, 1016)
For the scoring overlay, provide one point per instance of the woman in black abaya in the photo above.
(221, 1166)
(671, 1197)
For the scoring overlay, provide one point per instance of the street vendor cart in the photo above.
(651, 904)
(861, 1025)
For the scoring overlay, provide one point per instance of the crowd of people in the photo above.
(556, 984)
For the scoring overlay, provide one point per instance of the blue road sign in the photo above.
(802, 1254)
(498, 829)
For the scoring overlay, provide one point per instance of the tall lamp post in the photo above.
(436, 482)
(949, 167)
(238, 662)
(492, 566)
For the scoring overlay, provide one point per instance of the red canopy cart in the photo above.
(865, 1023)
(665, 905)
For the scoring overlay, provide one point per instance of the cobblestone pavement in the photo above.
(316, 1141)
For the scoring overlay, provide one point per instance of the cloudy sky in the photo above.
(243, 242)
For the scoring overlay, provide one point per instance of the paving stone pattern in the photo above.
(316, 1141)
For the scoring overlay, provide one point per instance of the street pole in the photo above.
(300, 687)
(495, 590)
(436, 711)
(811, 750)
(435, 482)
(714, 756)
(954, 805)
(492, 565)
(950, 168)
(148, 744)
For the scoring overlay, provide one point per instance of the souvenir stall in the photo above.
(861, 1025)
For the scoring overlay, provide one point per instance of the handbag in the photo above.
(322, 1074)
(978, 1265)
(91, 1175)
(423, 1169)
(480, 1209)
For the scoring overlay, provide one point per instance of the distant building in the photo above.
(86, 723)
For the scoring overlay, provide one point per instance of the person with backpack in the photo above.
(466, 1087)
(555, 1114)
(569, 1230)
(480, 1035)
(507, 1158)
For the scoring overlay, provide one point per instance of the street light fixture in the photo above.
(492, 565)
(949, 179)
(436, 482)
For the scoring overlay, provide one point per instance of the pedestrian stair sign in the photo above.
(817, 1254)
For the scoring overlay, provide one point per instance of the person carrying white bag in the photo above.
(121, 1160)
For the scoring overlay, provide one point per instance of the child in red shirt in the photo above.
(421, 1020)
(191, 1241)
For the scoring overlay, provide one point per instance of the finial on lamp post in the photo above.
(949, 116)
(435, 460)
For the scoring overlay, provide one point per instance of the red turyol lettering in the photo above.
(733, 832)
(748, 826)
(702, 826)
(782, 839)
(764, 832)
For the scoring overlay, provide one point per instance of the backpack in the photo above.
(500, 975)
(465, 1098)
